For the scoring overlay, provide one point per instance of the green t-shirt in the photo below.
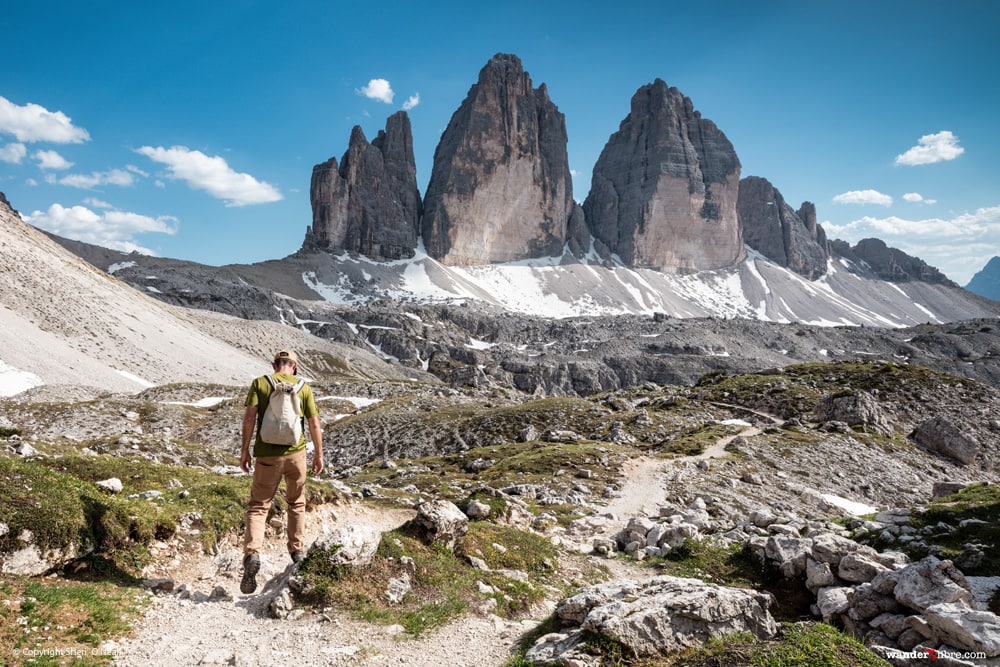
(260, 395)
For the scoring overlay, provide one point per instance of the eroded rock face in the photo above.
(369, 203)
(665, 187)
(772, 228)
(500, 189)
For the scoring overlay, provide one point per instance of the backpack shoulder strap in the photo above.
(271, 381)
(299, 385)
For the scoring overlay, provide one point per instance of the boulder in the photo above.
(941, 435)
(859, 568)
(441, 522)
(666, 614)
(353, 545)
(969, 630)
(932, 581)
(856, 409)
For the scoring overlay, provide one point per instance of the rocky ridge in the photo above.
(790, 238)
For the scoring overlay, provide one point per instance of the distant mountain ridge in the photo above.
(666, 193)
(986, 282)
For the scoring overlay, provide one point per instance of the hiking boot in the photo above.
(251, 566)
(298, 555)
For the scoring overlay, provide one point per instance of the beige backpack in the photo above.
(282, 422)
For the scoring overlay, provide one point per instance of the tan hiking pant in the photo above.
(268, 472)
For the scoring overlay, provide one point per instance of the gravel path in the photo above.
(235, 629)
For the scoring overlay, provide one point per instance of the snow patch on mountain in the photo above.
(563, 287)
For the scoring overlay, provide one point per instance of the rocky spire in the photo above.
(664, 189)
(500, 188)
(370, 203)
(772, 228)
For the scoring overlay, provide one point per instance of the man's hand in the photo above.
(317, 466)
(246, 461)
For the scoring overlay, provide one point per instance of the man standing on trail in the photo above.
(276, 461)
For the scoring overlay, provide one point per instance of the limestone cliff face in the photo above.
(500, 189)
(664, 189)
(772, 228)
(370, 203)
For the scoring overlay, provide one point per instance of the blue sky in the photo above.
(190, 129)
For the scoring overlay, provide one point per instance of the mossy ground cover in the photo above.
(444, 584)
(63, 622)
(794, 391)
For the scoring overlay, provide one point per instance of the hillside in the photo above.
(65, 323)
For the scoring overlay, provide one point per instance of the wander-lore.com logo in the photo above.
(935, 654)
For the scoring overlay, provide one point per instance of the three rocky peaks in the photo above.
(665, 194)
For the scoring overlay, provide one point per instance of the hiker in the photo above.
(276, 460)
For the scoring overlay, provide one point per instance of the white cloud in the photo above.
(110, 229)
(32, 122)
(378, 89)
(948, 244)
(51, 160)
(411, 101)
(863, 197)
(212, 175)
(917, 198)
(932, 148)
(97, 203)
(94, 179)
(13, 153)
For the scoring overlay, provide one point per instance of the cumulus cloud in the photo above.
(32, 122)
(932, 148)
(411, 101)
(946, 243)
(13, 153)
(213, 175)
(109, 229)
(863, 197)
(51, 160)
(378, 89)
(94, 179)
(917, 198)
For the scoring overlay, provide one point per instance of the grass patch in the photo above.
(443, 584)
(810, 643)
(63, 622)
(729, 565)
(57, 501)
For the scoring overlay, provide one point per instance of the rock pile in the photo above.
(882, 598)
